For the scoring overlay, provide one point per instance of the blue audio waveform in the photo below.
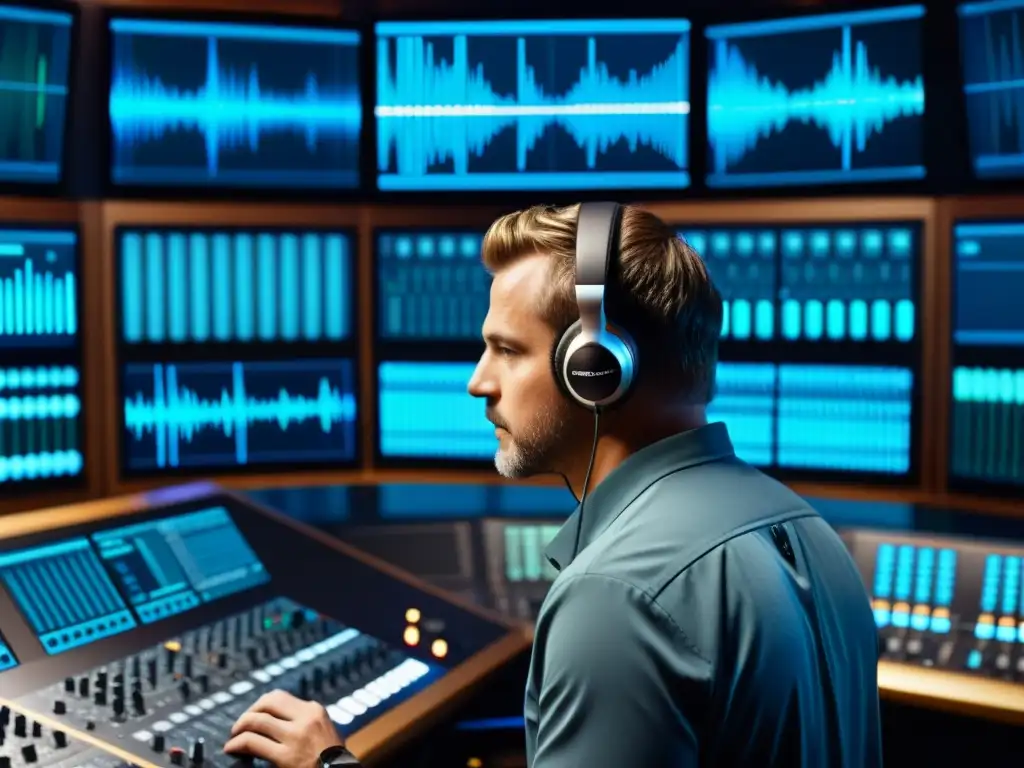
(846, 418)
(988, 425)
(234, 105)
(7, 658)
(805, 100)
(38, 288)
(424, 412)
(65, 594)
(992, 55)
(745, 401)
(431, 285)
(183, 285)
(532, 105)
(40, 424)
(35, 50)
(208, 415)
(988, 284)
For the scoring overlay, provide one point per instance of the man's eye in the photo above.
(506, 351)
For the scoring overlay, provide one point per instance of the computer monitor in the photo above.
(990, 54)
(42, 430)
(233, 105)
(986, 439)
(37, 41)
(236, 348)
(816, 99)
(511, 105)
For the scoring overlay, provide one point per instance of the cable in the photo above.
(586, 480)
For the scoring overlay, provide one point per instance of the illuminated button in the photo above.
(207, 704)
(274, 670)
(411, 636)
(974, 659)
(178, 718)
(985, 628)
(439, 647)
(243, 686)
(289, 663)
(261, 676)
(305, 655)
(1020, 633)
(921, 618)
(1006, 631)
(221, 697)
(193, 710)
(377, 689)
(901, 615)
(940, 621)
(143, 736)
(162, 727)
(173, 646)
(413, 615)
(339, 715)
(352, 706)
(363, 696)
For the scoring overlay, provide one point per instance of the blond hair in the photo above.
(667, 300)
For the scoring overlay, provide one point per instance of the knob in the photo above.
(254, 657)
(100, 697)
(222, 659)
(187, 665)
(137, 666)
(83, 687)
(59, 707)
(5, 761)
(169, 659)
(318, 679)
(20, 726)
(28, 754)
(5, 716)
(101, 680)
(177, 756)
(138, 703)
(69, 685)
(119, 691)
(186, 690)
(118, 707)
(204, 684)
(37, 730)
(158, 743)
(198, 753)
(60, 739)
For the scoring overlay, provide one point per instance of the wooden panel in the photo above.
(954, 692)
(439, 216)
(865, 209)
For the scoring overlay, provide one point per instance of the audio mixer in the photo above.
(144, 638)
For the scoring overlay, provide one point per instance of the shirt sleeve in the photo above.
(619, 681)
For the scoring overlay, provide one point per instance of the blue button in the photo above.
(974, 659)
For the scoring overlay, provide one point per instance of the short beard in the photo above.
(532, 450)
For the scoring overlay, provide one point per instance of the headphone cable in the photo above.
(586, 481)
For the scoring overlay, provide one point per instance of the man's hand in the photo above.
(284, 730)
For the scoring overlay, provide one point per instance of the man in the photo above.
(651, 649)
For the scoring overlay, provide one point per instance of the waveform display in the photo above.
(988, 284)
(826, 99)
(38, 288)
(745, 401)
(40, 424)
(743, 264)
(65, 594)
(234, 105)
(992, 56)
(845, 418)
(848, 283)
(987, 441)
(425, 412)
(431, 285)
(35, 51)
(191, 286)
(200, 416)
(517, 105)
(904, 575)
(7, 658)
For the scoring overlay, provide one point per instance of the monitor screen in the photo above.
(987, 420)
(238, 105)
(7, 658)
(990, 53)
(817, 99)
(41, 439)
(237, 348)
(431, 285)
(34, 72)
(169, 566)
(65, 594)
(744, 400)
(533, 105)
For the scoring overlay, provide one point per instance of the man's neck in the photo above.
(622, 441)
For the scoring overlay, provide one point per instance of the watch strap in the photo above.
(336, 756)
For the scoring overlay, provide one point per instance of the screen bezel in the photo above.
(61, 186)
(348, 349)
(227, 192)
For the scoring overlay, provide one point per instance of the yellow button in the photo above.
(439, 647)
(413, 615)
(411, 635)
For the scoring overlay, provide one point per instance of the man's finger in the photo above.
(261, 747)
(280, 704)
(262, 724)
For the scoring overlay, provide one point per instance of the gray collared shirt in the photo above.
(740, 657)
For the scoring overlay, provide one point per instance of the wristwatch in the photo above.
(336, 756)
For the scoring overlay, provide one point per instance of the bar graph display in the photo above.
(431, 285)
(65, 594)
(188, 286)
(7, 658)
(913, 587)
(1001, 615)
(203, 415)
(35, 55)
(992, 56)
(201, 104)
(38, 288)
(425, 412)
(817, 99)
(532, 105)
(987, 438)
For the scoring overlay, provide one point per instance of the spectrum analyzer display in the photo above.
(40, 357)
(35, 52)
(236, 348)
(987, 424)
(992, 54)
(532, 105)
(833, 99)
(200, 104)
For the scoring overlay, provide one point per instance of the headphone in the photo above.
(595, 359)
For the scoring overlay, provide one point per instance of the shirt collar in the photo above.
(631, 478)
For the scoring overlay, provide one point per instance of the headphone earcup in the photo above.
(558, 355)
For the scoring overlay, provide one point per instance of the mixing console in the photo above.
(946, 604)
(209, 613)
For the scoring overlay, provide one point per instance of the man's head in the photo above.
(666, 302)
